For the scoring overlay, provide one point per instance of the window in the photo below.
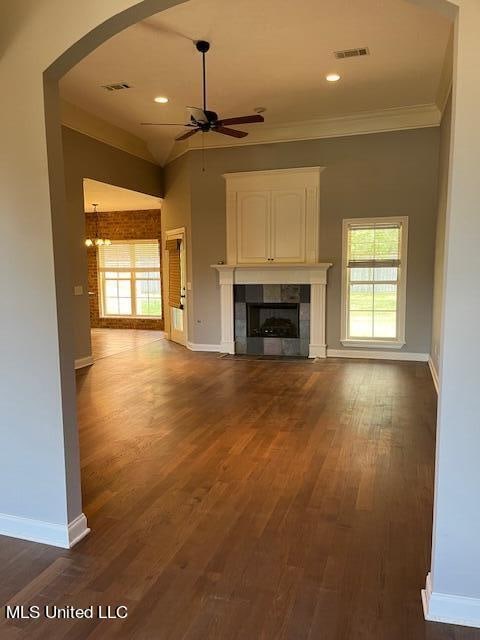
(129, 278)
(374, 282)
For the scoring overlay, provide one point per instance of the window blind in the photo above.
(129, 274)
(375, 245)
(174, 274)
(135, 255)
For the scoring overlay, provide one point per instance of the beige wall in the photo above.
(85, 157)
(444, 165)
(369, 175)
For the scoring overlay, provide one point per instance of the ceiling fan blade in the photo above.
(242, 120)
(197, 115)
(230, 132)
(187, 135)
(166, 124)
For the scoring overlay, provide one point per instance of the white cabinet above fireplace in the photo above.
(273, 216)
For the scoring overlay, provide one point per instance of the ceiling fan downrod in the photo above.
(204, 120)
(203, 46)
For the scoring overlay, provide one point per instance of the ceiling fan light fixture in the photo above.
(161, 99)
(332, 77)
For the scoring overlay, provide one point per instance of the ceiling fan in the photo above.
(205, 120)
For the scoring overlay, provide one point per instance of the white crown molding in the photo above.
(381, 121)
(434, 372)
(378, 355)
(449, 608)
(445, 84)
(80, 363)
(56, 535)
(88, 124)
(443, 100)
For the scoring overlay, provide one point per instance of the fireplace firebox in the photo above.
(273, 320)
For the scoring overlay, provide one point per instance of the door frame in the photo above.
(172, 234)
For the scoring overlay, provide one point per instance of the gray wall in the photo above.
(369, 175)
(176, 213)
(443, 169)
(85, 157)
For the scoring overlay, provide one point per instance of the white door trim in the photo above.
(172, 234)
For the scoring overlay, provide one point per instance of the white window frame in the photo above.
(132, 280)
(385, 343)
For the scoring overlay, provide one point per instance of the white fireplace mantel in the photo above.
(314, 274)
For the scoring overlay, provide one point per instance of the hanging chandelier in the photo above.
(96, 241)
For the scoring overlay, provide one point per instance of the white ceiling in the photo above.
(269, 53)
(111, 198)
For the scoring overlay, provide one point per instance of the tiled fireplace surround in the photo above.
(296, 294)
(302, 284)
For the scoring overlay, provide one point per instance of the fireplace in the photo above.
(278, 284)
(273, 320)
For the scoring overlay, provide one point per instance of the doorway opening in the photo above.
(124, 266)
(176, 285)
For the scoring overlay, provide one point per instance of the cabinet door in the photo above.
(253, 226)
(288, 226)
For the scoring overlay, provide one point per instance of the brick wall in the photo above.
(120, 225)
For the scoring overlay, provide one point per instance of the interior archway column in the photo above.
(40, 497)
(453, 587)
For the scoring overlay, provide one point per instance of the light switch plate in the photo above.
(78, 290)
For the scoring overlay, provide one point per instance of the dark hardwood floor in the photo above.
(237, 500)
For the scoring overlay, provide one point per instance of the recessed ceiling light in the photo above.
(161, 99)
(333, 77)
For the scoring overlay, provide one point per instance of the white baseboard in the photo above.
(448, 608)
(83, 362)
(227, 347)
(378, 355)
(56, 535)
(434, 373)
(203, 347)
(317, 351)
(77, 530)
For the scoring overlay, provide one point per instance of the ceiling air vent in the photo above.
(352, 53)
(118, 86)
